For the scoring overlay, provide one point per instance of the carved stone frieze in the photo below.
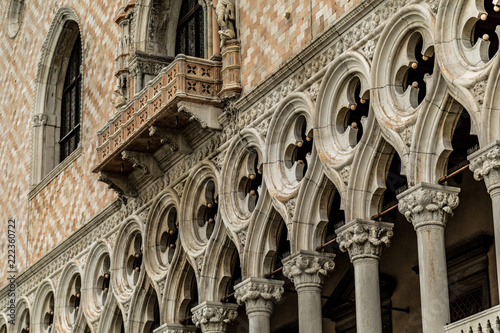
(308, 267)
(407, 135)
(345, 174)
(364, 238)
(259, 295)
(485, 164)
(479, 89)
(214, 316)
(242, 235)
(428, 204)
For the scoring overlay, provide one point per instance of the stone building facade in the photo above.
(250, 166)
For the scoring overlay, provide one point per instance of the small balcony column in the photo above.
(214, 317)
(364, 241)
(485, 164)
(427, 207)
(307, 269)
(259, 296)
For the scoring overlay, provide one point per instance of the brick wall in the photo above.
(268, 39)
(75, 195)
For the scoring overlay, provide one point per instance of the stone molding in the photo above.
(364, 238)
(485, 164)
(214, 317)
(428, 204)
(259, 295)
(175, 328)
(308, 268)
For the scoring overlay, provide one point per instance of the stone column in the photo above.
(213, 317)
(306, 269)
(364, 240)
(259, 296)
(175, 328)
(427, 207)
(485, 164)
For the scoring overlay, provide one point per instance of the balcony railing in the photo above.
(487, 321)
(186, 79)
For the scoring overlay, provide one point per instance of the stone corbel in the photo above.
(206, 115)
(144, 161)
(214, 316)
(118, 183)
(172, 138)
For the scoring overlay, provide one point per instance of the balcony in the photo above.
(186, 90)
(487, 321)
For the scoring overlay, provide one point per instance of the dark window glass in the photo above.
(70, 106)
(190, 30)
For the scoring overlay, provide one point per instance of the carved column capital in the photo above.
(364, 238)
(259, 295)
(214, 317)
(175, 328)
(485, 164)
(428, 204)
(307, 268)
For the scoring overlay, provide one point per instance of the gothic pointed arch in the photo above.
(58, 105)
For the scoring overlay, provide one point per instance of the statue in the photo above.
(118, 99)
(225, 17)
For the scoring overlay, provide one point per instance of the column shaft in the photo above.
(495, 200)
(366, 279)
(259, 322)
(433, 278)
(310, 315)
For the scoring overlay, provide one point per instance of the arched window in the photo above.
(58, 104)
(70, 106)
(190, 30)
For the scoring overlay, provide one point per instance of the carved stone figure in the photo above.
(225, 17)
(118, 99)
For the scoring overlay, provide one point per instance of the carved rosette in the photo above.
(364, 238)
(214, 317)
(307, 268)
(485, 164)
(259, 295)
(428, 204)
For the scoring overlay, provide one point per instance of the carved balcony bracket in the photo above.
(144, 161)
(118, 183)
(206, 115)
(172, 138)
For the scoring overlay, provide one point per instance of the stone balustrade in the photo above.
(487, 321)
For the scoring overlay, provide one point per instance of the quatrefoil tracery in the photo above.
(482, 29)
(250, 181)
(298, 143)
(48, 313)
(74, 298)
(167, 236)
(207, 211)
(134, 259)
(414, 73)
(352, 117)
(103, 279)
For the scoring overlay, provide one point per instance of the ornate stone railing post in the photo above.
(485, 164)
(306, 269)
(259, 296)
(427, 207)
(175, 328)
(364, 240)
(213, 317)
